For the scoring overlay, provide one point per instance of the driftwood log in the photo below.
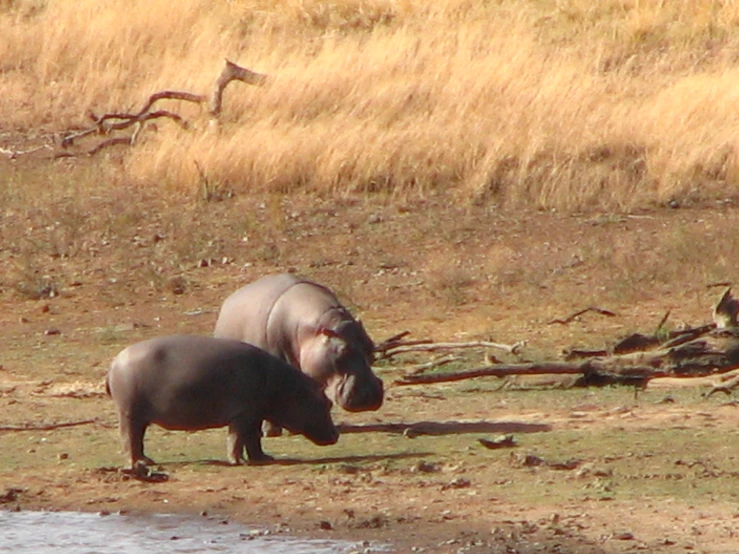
(714, 353)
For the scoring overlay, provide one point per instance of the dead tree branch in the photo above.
(403, 347)
(117, 122)
(717, 352)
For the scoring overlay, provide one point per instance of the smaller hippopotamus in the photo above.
(190, 383)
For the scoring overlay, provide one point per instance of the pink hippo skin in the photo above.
(303, 323)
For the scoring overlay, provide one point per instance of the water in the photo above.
(84, 533)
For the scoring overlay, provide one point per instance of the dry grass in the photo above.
(565, 104)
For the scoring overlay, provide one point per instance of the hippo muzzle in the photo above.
(322, 437)
(357, 394)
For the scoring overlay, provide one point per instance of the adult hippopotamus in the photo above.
(304, 324)
(192, 383)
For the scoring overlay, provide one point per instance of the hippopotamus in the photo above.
(303, 323)
(194, 382)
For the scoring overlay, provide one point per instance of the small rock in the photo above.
(457, 483)
(63, 456)
(325, 525)
(45, 308)
(425, 467)
(52, 331)
(177, 285)
(503, 441)
(623, 536)
(23, 320)
(531, 461)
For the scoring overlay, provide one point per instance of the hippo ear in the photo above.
(329, 333)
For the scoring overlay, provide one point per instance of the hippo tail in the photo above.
(107, 376)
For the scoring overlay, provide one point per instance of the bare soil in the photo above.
(600, 470)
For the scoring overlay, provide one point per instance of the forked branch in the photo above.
(109, 123)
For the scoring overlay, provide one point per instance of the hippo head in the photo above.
(339, 356)
(306, 411)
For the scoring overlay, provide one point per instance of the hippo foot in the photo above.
(264, 459)
(141, 471)
(142, 460)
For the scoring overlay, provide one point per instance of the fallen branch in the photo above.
(574, 316)
(717, 352)
(504, 370)
(47, 427)
(120, 121)
(427, 346)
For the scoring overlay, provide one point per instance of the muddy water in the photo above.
(82, 533)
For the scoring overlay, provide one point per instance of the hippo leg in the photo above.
(235, 446)
(246, 434)
(270, 429)
(132, 435)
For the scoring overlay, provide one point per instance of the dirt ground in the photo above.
(598, 470)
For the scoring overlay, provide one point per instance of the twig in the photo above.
(686, 335)
(727, 387)
(47, 427)
(571, 318)
(662, 322)
(433, 364)
(13, 154)
(392, 341)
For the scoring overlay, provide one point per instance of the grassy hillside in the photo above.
(554, 104)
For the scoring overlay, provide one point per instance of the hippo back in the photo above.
(270, 313)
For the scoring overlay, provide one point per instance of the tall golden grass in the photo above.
(565, 104)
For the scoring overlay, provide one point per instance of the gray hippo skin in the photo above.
(303, 323)
(192, 383)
